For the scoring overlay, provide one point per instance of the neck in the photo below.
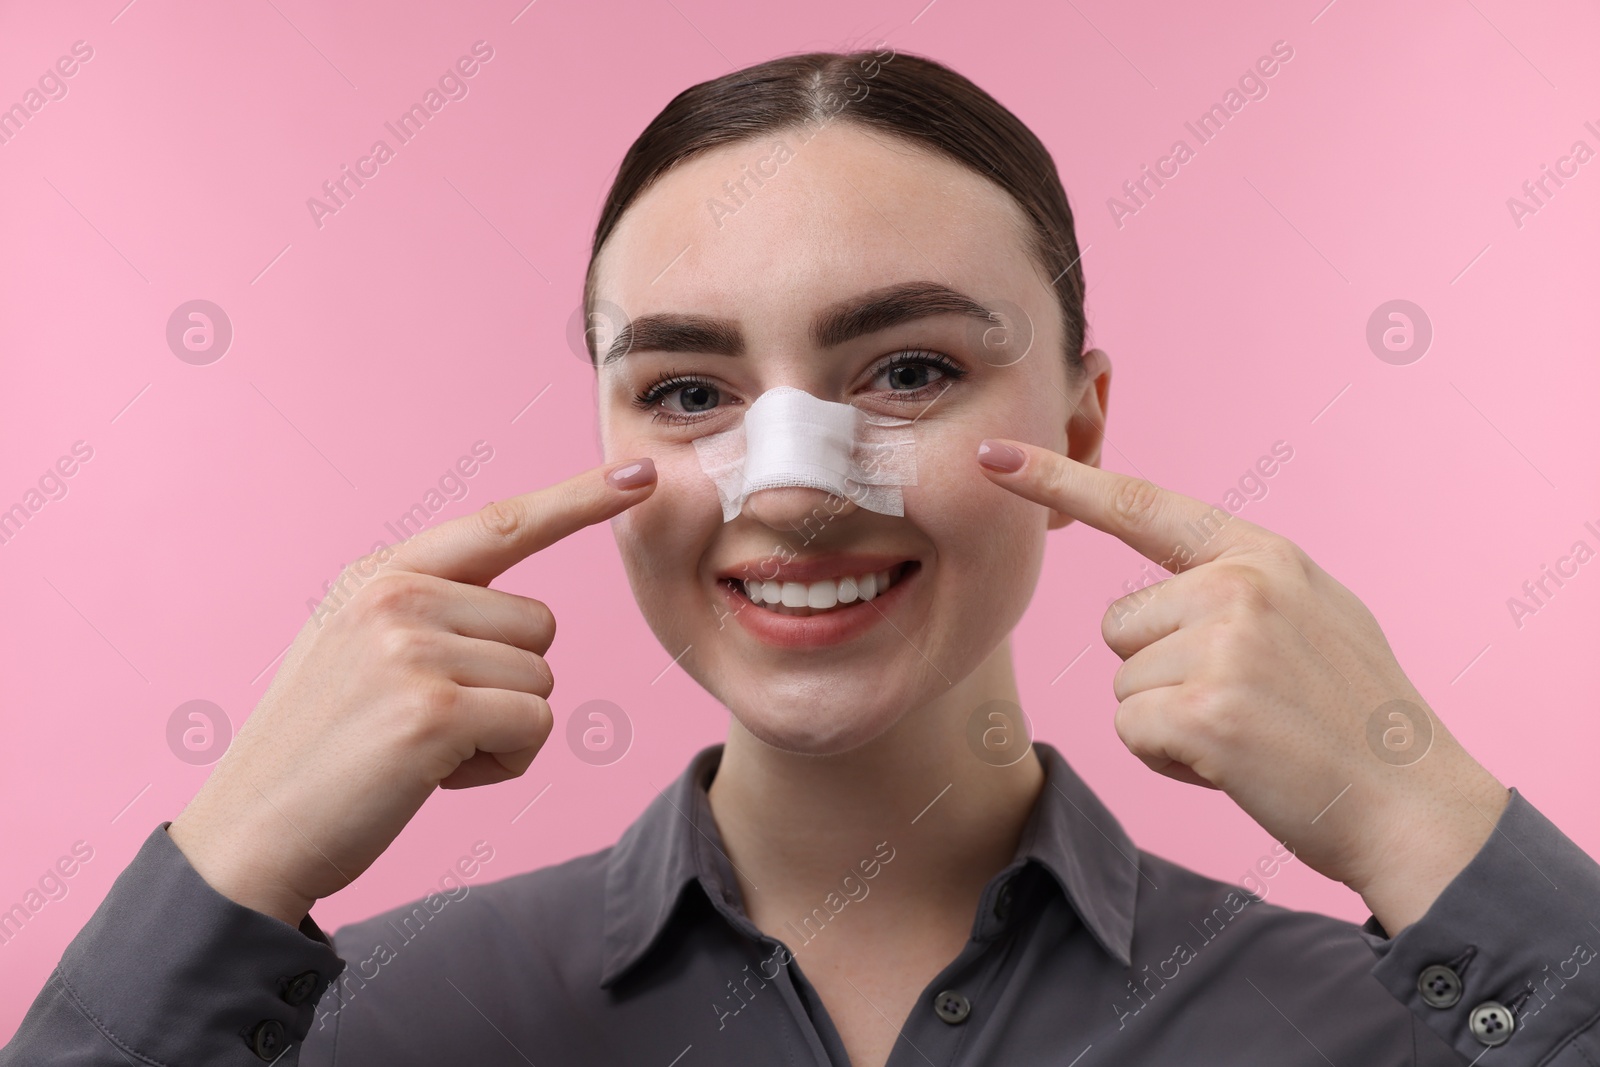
(795, 824)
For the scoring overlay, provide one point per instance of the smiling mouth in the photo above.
(821, 597)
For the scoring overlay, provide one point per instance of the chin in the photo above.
(806, 723)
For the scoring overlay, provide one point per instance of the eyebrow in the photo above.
(866, 313)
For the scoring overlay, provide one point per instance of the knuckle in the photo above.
(1119, 685)
(1135, 502)
(516, 764)
(405, 644)
(1111, 624)
(541, 620)
(546, 678)
(419, 718)
(544, 719)
(1120, 643)
(1285, 553)
(1115, 617)
(393, 594)
(365, 568)
(436, 693)
(1185, 712)
(434, 699)
(501, 523)
(1051, 478)
(1122, 722)
(1201, 713)
(1120, 613)
(1135, 726)
(1304, 566)
(1234, 587)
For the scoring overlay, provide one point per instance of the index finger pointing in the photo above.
(1168, 528)
(478, 547)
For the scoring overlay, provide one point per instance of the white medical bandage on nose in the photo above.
(791, 438)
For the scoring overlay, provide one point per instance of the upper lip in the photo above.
(773, 568)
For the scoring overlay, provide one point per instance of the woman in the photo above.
(877, 866)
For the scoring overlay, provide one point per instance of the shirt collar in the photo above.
(675, 842)
(1074, 836)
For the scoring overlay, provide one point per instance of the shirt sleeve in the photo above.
(1503, 965)
(170, 971)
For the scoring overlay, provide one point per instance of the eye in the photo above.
(694, 397)
(915, 374)
(907, 374)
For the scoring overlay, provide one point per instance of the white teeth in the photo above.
(822, 595)
(810, 597)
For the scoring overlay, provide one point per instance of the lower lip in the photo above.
(816, 631)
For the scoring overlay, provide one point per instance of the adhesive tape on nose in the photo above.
(790, 438)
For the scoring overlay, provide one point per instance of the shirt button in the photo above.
(1440, 986)
(951, 1006)
(266, 1040)
(300, 988)
(1002, 903)
(1491, 1023)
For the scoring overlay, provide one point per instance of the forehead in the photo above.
(770, 228)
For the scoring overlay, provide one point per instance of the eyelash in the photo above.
(675, 380)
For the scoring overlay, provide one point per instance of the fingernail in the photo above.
(634, 475)
(999, 457)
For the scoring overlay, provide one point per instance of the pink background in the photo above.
(370, 353)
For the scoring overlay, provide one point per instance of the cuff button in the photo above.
(268, 1039)
(1492, 1023)
(1440, 986)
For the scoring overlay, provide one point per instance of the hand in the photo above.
(413, 674)
(1253, 671)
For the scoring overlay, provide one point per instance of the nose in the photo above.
(796, 508)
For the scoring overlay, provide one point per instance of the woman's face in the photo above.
(833, 222)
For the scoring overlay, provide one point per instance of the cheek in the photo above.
(663, 536)
(988, 540)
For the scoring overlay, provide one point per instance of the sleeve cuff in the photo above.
(173, 971)
(1505, 958)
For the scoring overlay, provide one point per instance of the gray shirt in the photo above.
(1085, 950)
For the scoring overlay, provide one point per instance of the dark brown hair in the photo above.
(908, 96)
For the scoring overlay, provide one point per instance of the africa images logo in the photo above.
(452, 85)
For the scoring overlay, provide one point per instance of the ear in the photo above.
(1086, 419)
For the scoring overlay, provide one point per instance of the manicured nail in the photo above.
(1000, 457)
(634, 475)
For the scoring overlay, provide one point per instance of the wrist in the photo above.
(238, 881)
(1429, 839)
